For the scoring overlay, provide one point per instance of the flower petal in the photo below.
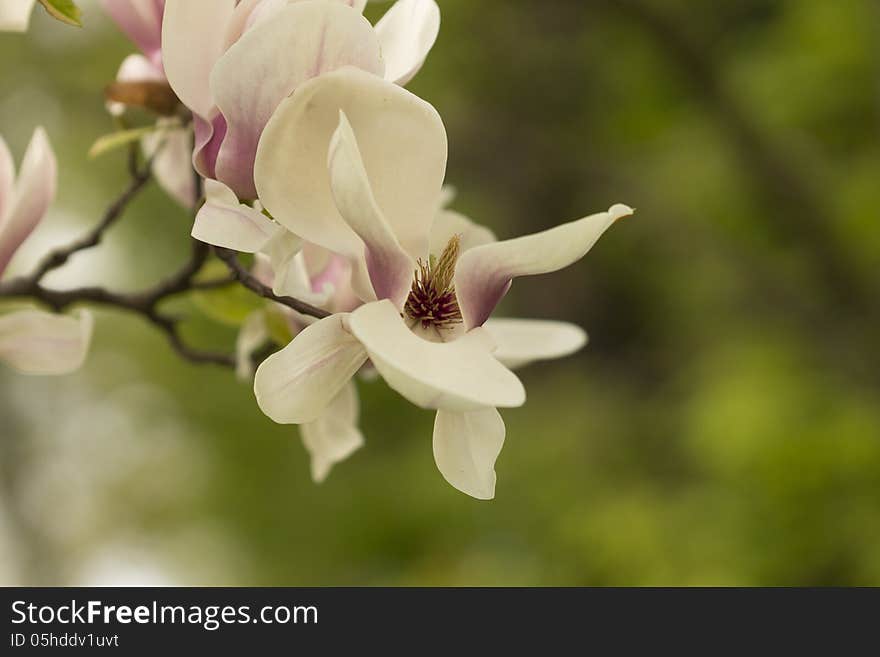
(7, 179)
(334, 436)
(295, 385)
(15, 15)
(223, 221)
(449, 223)
(193, 38)
(407, 32)
(390, 268)
(141, 21)
(34, 191)
(251, 336)
(466, 446)
(37, 342)
(460, 375)
(172, 163)
(523, 341)
(483, 275)
(300, 42)
(402, 142)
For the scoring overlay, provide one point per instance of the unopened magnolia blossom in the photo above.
(232, 63)
(356, 165)
(34, 341)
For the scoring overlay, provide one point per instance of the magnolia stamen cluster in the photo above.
(432, 300)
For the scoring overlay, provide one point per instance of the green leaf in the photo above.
(278, 326)
(228, 305)
(116, 140)
(65, 11)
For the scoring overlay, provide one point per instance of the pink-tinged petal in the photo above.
(141, 21)
(334, 436)
(7, 179)
(37, 342)
(466, 446)
(523, 341)
(297, 384)
(448, 224)
(223, 221)
(402, 142)
(208, 138)
(390, 268)
(460, 375)
(33, 193)
(483, 275)
(407, 33)
(302, 41)
(15, 15)
(193, 38)
(171, 149)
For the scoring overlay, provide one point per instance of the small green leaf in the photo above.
(278, 325)
(116, 140)
(228, 305)
(65, 11)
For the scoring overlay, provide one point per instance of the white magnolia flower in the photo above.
(316, 276)
(15, 15)
(33, 341)
(231, 63)
(356, 165)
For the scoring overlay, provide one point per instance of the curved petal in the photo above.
(401, 139)
(483, 275)
(7, 179)
(141, 21)
(223, 221)
(449, 223)
(172, 163)
(193, 38)
(390, 268)
(523, 341)
(15, 15)
(334, 436)
(460, 375)
(301, 41)
(251, 336)
(295, 385)
(407, 32)
(466, 446)
(208, 137)
(37, 342)
(32, 195)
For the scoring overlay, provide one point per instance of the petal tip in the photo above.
(618, 211)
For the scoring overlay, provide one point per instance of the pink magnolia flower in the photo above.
(232, 63)
(33, 341)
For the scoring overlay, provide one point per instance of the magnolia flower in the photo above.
(15, 15)
(141, 81)
(232, 64)
(320, 278)
(33, 341)
(356, 165)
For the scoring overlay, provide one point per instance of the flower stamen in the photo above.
(432, 299)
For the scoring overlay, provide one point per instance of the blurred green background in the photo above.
(722, 428)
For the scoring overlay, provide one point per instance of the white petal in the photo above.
(251, 336)
(15, 15)
(466, 446)
(407, 32)
(37, 342)
(34, 192)
(402, 142)
(523, 341)
(297, 384)
(223, 221)
(460, 375)
(390, 268)
(483, 275)
(7, 179)
(300, 42)
(172, 164)
(449, 223)
(334, 436)
(193, 38)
